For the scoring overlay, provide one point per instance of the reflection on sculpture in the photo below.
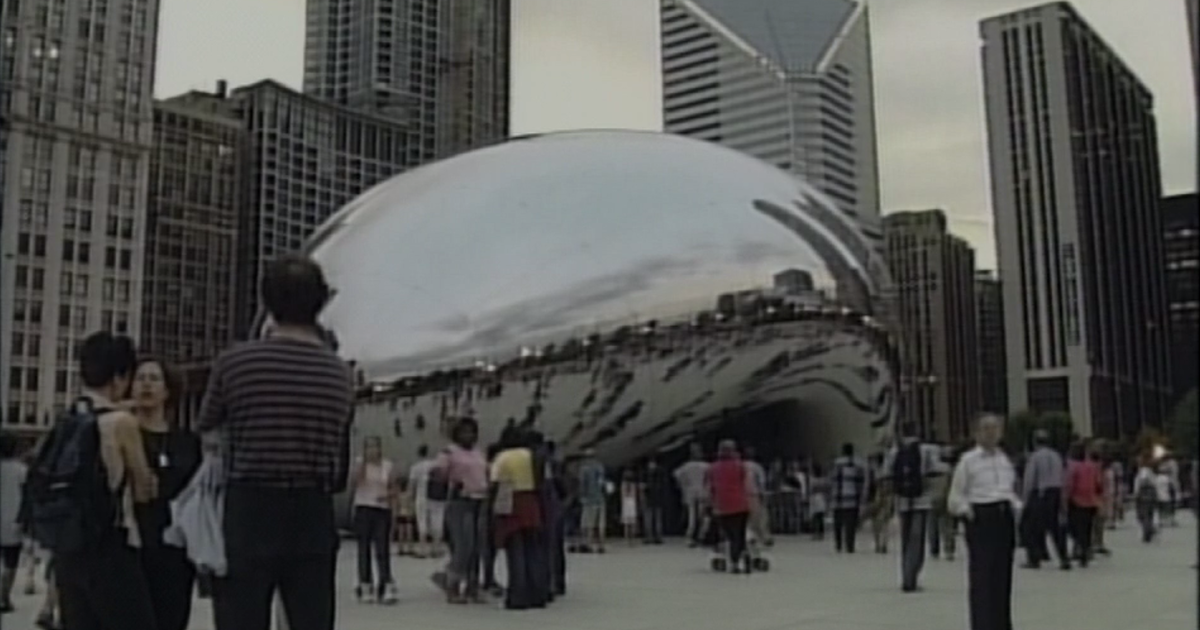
(622, 291)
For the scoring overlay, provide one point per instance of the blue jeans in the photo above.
(465, 520)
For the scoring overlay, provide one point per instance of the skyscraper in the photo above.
(76, 86)
(440, 67)
(989, 326)
(934, 275)
(307, 158)
(787, 81)
(196, 178)
(1075, 191)
(1193, 19)
(1181, 231)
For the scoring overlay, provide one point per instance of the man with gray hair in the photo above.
(1043, 493)
(983, 493)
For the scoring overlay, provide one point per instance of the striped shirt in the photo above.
(285, 406)
(849, 478)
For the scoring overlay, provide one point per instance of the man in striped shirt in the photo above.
(283, 406)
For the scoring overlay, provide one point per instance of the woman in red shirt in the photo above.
(1084, 492)
(727, 480)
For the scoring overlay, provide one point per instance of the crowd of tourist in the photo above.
(134, 513)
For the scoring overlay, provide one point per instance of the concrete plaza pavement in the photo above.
(1143, 587)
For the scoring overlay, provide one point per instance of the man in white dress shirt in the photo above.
(983, 492)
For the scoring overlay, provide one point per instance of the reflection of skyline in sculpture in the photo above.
(576, 281)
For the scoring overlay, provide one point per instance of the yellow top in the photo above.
(514, 467)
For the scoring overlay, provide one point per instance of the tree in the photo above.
(1061, 428)
(1147, 439)
(1019, 430)
(1183, 425)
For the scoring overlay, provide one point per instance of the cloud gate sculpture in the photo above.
(623, 291)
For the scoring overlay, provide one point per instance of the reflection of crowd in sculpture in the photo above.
(706, 343)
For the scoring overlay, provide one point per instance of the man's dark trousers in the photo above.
(1045, 518)
(845, 528)
(281, 540)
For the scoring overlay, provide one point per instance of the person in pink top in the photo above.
(465, 469)
(731, 503)
(1084, 492)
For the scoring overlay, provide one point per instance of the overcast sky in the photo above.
(594, 64)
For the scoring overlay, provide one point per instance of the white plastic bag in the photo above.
(196, 518)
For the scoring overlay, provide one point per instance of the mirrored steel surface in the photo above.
(621, 290)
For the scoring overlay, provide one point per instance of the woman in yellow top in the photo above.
(519, 525)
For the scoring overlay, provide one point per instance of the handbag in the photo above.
(502, 503)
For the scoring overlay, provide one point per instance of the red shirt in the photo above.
(728, 480)
(1085, 483)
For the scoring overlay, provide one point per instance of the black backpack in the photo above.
(908, 474)
(437, 487)
(71, 507)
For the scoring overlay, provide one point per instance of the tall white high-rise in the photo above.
(1075, 191)
(76, 86)
(787, 81)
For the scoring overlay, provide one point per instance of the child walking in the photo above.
(629, 506)
(405, 519)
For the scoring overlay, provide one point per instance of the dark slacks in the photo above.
(373, 532)
(556, 541)
(1044, 513)
(845, 528)
(525, 551)
(913, 532)
(281, 541)
(652, 523)
(733, 530)
(171, 580)
(1081, 521)
(991, 542)
(103, 588)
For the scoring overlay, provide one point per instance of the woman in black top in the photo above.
(173, 454)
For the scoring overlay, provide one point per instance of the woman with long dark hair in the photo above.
(174, 455)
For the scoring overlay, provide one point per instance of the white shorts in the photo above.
(593, 516)
(431, 519)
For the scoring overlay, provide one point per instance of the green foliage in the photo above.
(1018, 431)
(1183, 425)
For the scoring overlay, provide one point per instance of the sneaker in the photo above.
(364, 594)
(388, 595)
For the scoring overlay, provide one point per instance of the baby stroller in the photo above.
(721, 562)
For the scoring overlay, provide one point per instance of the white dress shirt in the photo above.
(981, 478)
